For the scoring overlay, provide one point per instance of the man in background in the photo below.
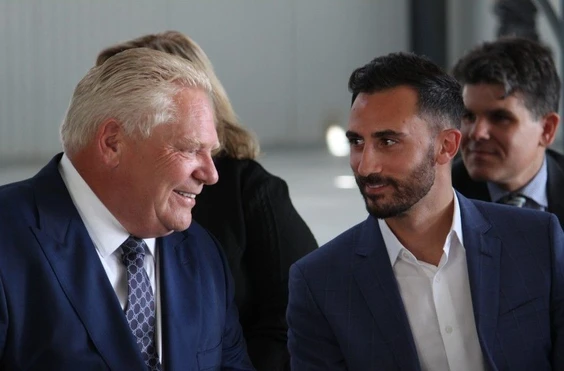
(511, 93)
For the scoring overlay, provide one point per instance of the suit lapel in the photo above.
(73, 258)
(374, 276)
(555, 185)
(180, 292)
(483, 260)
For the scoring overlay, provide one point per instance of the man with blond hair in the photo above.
(102, 267)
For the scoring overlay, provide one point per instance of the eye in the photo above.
(468, 118)
(499, 118)
(355, 141)
(386, 142)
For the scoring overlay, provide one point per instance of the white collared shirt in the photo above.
(108, 234)
(438, 302)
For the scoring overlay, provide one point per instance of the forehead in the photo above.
(479, 97)
(194, 120)
(390, 109)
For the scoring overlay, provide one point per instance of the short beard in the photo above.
(407, 192)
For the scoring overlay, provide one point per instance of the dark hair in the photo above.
(439, 95)
(520, 65)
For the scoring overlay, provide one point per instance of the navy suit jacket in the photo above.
(345, 310)
(58, 310)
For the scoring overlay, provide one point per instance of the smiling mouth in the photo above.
(186, 194)
(375, 186)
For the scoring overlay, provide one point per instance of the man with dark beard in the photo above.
(431, 280)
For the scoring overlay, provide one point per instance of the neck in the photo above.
(430, 221)
(522, 179)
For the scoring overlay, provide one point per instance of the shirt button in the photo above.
(405, 255)
(448, 329)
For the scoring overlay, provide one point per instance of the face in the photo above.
(165, 172)
(392, 151)
(500, 137)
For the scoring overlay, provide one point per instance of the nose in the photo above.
(366, 161)
(206, 172)
(479, 130)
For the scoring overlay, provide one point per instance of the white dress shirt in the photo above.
(438, 302)
(108, 234)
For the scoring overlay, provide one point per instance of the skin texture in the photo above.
(403, 168)
(502, 141)
(135, 176)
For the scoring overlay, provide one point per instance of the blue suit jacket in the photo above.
(58, 310)
(345, 311)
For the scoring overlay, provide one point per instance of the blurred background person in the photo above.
(249, 210)
(511, 92)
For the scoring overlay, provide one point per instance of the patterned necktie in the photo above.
(140, 309)
(514, 199)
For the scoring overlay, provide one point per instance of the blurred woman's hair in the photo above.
(236, 141)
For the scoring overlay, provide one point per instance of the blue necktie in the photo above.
(140, 309)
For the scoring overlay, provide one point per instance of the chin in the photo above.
(181, 225)
(482, 175)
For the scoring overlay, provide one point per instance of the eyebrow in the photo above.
(495, 111)
(378, 134)
(500, 111)
(189, 142)
(194, 143)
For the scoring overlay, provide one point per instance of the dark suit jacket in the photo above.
(58, 310)
(346, 313)
(462, 182)
(250, 212)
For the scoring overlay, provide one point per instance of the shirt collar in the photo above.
(535, 189)
(104, 229)
(394, 246)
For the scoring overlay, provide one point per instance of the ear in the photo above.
(448, 144)
(110, 141)
(549, 126)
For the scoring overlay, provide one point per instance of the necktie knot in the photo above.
(514, 199)
(133, 251)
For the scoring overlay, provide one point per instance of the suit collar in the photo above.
(73, 258)
(483, 251)
(180, 273)
(374, 275)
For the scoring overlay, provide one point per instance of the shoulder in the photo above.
(15, 197)
(335, 254)
(557, 157)
(510, 222)
(250, 175)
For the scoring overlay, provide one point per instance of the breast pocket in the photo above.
(210, 359)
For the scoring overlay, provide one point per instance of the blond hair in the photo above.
(136, 88)
(236, 141)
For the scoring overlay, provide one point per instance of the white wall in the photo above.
(285, 63)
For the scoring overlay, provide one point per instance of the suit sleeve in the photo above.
(312, 344)
(557, 295)
(277, 236)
